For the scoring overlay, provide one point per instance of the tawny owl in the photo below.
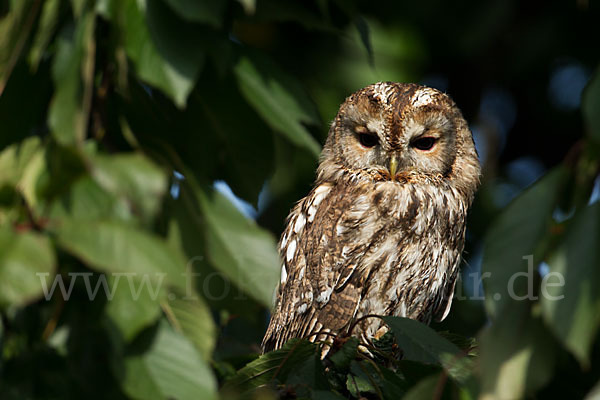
(383, 229)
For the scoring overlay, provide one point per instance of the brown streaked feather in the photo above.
(363, 242)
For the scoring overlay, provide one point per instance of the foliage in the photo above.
(126, 273)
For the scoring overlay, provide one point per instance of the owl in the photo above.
(383, 229)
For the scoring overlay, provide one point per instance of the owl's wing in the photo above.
(442, 309)
(321, 248)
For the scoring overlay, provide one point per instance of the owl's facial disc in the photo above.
(366, 138)
(424, 143)
(430, 142)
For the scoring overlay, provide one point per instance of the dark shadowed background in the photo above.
(150, 151)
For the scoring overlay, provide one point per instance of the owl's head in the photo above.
(400, 132)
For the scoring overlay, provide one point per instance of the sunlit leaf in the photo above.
(87, 200)
(512, 240)
(279, 99)
(186, 232)
(73, 74)
(133, 303)
(78, 6)
(21, 168)
(189, 315)
(15, 160)
(570, 293)
(45, 31)
(249, 6)
(165, 53)
(239, 248)
(170, 368)
(132, 178)
(594, 394)
(137, 267)
(517, 354)
(27, 262)
(112, 247)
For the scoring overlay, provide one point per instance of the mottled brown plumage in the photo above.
(383, 229)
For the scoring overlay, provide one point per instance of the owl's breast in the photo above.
(418, 208)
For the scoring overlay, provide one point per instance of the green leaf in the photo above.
(594, 394)
(113, 247)
(365, 37)
(133, 179)
(357, 386)
(27, 261)
(73, 75)
(570, 293)
(512, 240)
(326, 395)
(15, 28)
(235, 245)
(279, 99)
(590, 105)
(249, 6)
(207, 12)
(133, 304)
(21, 168)
(517, 354)
(342, 358)
(78, 7)
(418, 342)
(186, 232)
(298, 13)
(138, 267)
(164, 50)
(16, 159)
(426, 389)
(191, 316)
(308, 376)
(45, 31)
(277, 364)
(86, 200)
(226, 148)
(169, 368)
(393, 387)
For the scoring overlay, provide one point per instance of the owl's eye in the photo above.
(368, 139)
(424, 143)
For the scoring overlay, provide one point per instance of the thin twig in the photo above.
(441, 383)
(356, 322)
(375, 386)
(51, 325)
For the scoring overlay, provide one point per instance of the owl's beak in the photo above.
(393, 167)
